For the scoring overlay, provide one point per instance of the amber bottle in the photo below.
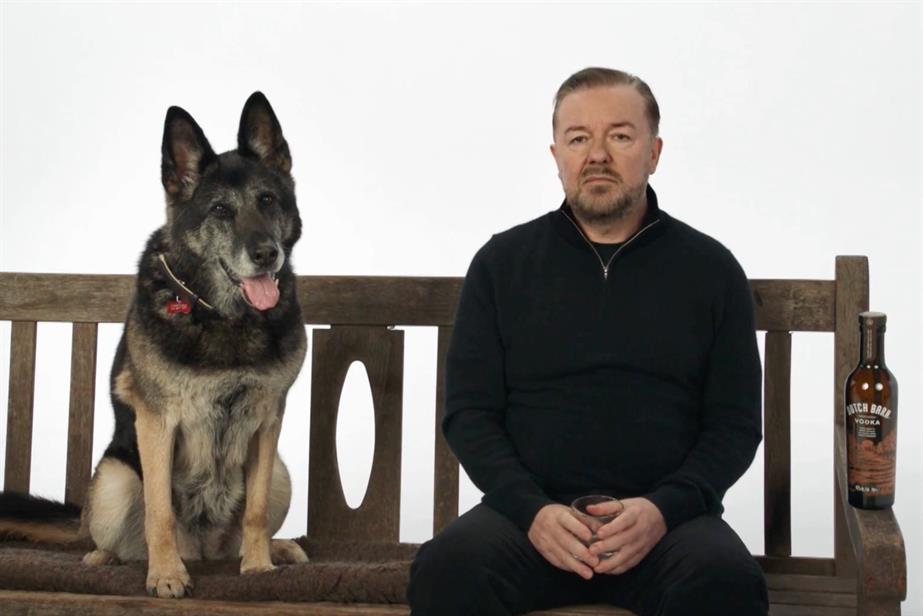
(871, 420)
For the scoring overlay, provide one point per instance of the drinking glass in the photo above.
(595, 522)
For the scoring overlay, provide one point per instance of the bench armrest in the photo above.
(876, 540)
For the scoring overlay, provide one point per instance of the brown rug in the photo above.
(338, 571)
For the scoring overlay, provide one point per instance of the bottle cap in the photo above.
(873, 319)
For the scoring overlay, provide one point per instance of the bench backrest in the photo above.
(363, 313)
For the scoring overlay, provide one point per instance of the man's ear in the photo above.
(186, 153)
(656, 149)
(554, 154)
(260, 135)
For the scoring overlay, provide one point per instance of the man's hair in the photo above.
(594, 77)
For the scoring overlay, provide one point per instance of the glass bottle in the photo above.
(871, 420)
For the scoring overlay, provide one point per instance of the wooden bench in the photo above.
(867, 574)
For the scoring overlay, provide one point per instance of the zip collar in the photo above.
(653, 217)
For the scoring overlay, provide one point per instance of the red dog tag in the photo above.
(178, 305)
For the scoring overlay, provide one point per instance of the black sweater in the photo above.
(563, 381)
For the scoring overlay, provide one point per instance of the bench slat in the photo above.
(445, 475)
(77, 298)
(780, 305)
(810, 610)
(82, 404)
(583, 610)
(378, 300)
(811, 583)
(821, 598)
(344, 300)
(794, 305)
(381, 350)
(25, 603)
(777, 484)
(790, 595)
(797, 565)
(852, 297)
(19, 410)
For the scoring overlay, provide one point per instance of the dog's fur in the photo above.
(192, 471)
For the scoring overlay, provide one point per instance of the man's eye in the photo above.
(222, 212)
(579, 139)
(621, 137)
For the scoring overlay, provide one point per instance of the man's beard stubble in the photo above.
(603, 207)
(606, 203)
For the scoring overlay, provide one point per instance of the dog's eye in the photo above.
(266, 200)
(219, 210)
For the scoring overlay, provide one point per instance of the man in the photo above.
(603, 348)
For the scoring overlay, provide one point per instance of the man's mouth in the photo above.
(260, 292)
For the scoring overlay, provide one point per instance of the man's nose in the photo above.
(598, 152)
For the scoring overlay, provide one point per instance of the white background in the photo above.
(792, 134)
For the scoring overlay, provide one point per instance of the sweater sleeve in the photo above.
(731, 413)
(476, 400)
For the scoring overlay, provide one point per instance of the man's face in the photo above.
(605, 151)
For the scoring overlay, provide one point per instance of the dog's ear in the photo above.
(260, 135)
(186, 154)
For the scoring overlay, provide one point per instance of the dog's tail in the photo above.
(32, 518)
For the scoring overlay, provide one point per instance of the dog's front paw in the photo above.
(171, 582)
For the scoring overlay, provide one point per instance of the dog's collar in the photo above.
(183, 293)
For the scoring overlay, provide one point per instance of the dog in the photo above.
(213, 340)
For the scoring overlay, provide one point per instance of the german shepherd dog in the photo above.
(213, 340)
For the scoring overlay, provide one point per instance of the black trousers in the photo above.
(483, 565)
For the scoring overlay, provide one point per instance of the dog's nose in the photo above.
(262, 249)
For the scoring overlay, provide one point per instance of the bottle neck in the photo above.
(872, 346)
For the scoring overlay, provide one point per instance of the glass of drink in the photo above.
(593, 521)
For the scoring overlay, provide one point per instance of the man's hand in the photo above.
(630, 536)
(557, 535)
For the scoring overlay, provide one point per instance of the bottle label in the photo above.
(872, 448)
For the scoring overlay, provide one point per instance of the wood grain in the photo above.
(445, 474)
(378, 300)
(344, 300)
(794, 305)
(869, 549)
(792, 595)
(381, 350)
(797, 565)
(852, 297)
(777, 470)
(82, 404)
(829, 583)
(782, 305)
(24, 603)
(810, 610)
(18, 467)
(797, 610)
(819, 599)
(881, 557)
(65, 297)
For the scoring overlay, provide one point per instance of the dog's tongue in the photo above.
(260, 291)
